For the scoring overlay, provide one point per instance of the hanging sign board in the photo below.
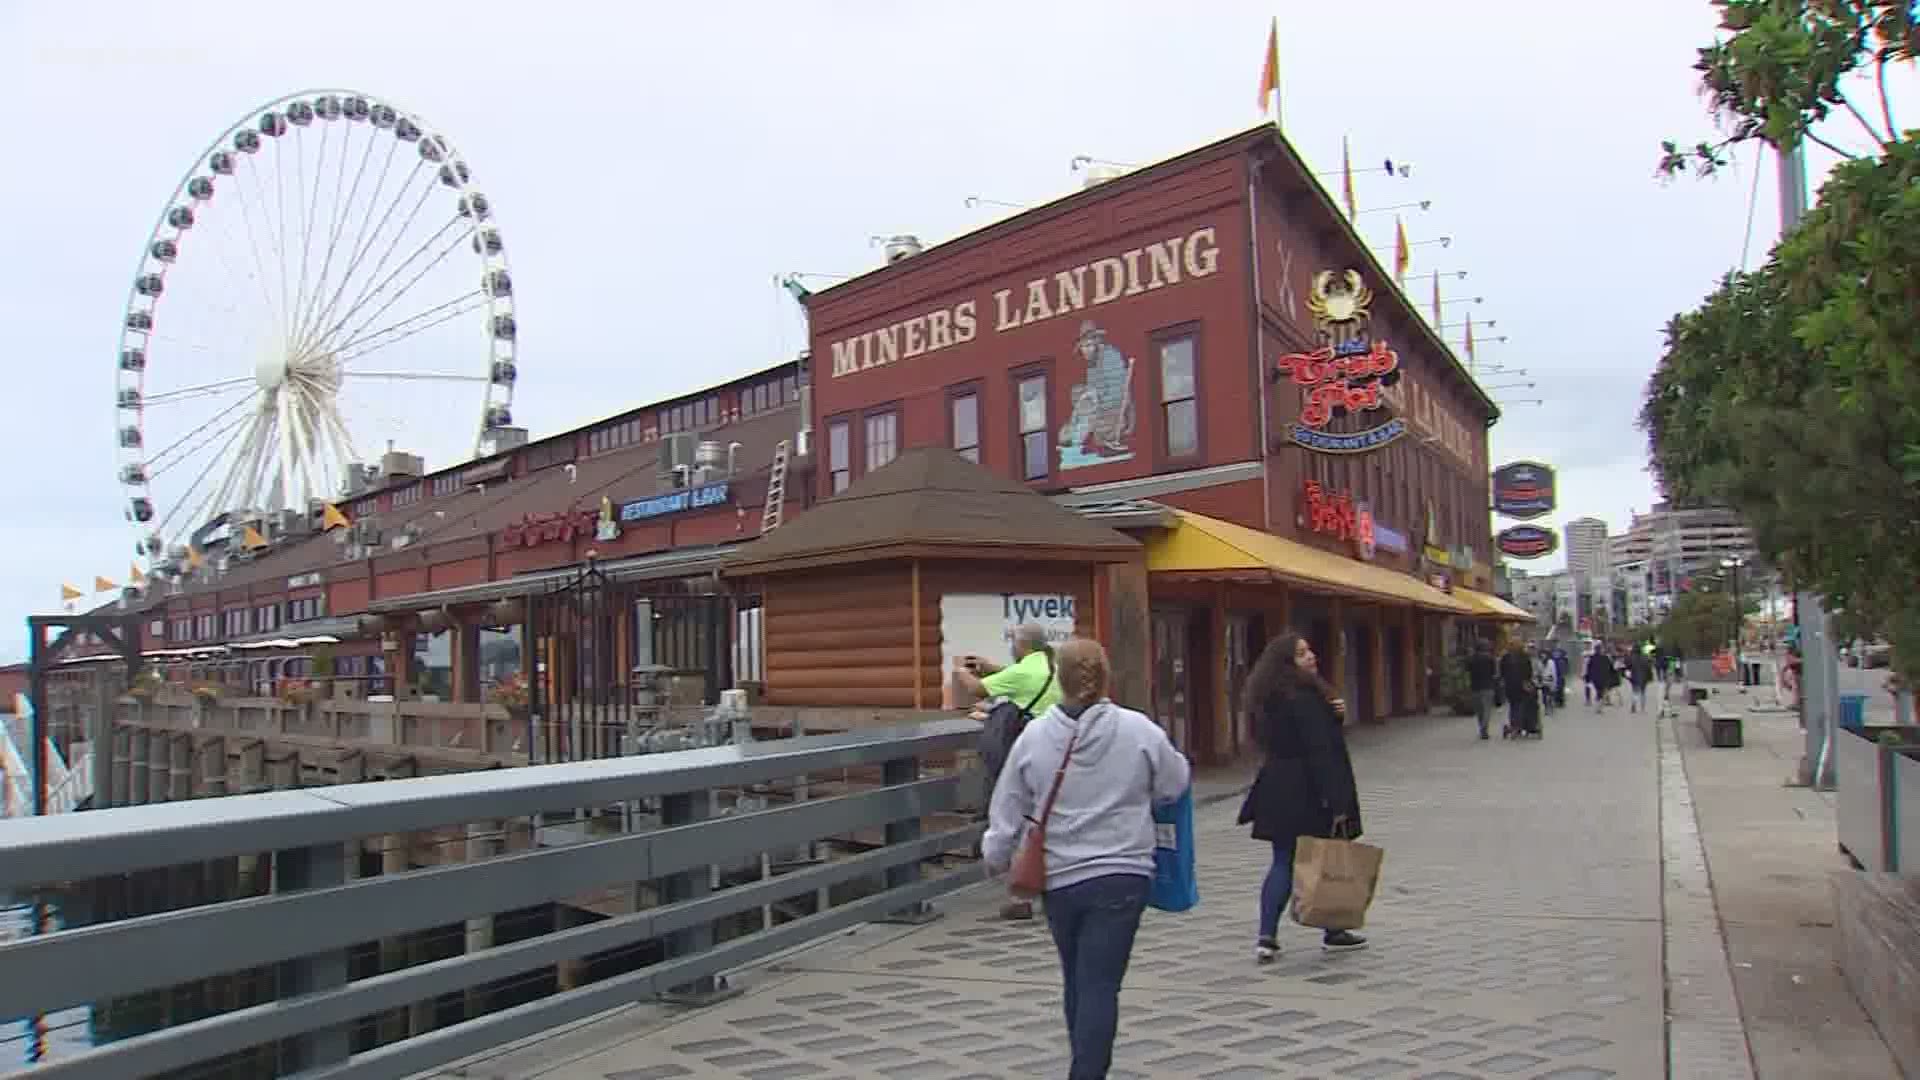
(1523, 490)
(1527, 542)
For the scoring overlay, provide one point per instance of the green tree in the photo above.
(1793, 392)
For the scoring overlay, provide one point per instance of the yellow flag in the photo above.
(331, 518)
(134, 576)
(1469, 340)
(1346, 179)
(68, 594)
(194, 558)
(251, 539)
(101, 584)
(1401, 255)
(1270, 73)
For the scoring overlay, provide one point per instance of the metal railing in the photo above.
(652, 835)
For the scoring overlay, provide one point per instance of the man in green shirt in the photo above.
(1029, 684)
(1030, 674)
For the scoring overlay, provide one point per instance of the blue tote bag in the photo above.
(1175, 885)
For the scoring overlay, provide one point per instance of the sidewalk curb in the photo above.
(1706, 1036)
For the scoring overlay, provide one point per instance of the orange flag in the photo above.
(331, 518)
(251, 539)
(101, 584)
(1346, 179)
(1401, 255)
(1270, 72)
(1469, 341)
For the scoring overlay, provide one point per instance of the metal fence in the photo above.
(379, 929)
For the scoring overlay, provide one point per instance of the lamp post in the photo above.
(1732, 566)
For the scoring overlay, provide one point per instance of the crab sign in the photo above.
(1339, 297)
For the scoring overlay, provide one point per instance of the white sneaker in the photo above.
(1266, 952)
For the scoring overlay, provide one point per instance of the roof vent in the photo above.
(900, 247)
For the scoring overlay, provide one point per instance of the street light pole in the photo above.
(1819, 666)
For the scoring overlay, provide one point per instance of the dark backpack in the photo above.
(1004, 724)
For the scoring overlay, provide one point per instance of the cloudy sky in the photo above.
(651, 174)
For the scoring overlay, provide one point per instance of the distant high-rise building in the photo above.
(1586, 546)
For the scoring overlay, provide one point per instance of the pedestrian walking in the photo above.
(1305, 786)
(1481, 673)
(1090, 772)
(1024, 689)
(1543, 678)
(1599, 677)
(1516, 678)
(1639, 675)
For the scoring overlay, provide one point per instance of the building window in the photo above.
(964, 409)
(310, 607)
(407, 496)
(446, 483)
(883, 439)
(1032, 424)
(1179, 404)
(839, 455)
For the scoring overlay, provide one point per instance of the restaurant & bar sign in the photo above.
(1348, 373)
(1526, 542)
(1523, 490)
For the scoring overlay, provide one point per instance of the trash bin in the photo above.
(1853, 711)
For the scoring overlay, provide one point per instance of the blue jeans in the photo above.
(1093, 924)
(1483, 708)
(1275, 890)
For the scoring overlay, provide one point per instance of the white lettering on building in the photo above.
(1100, 281)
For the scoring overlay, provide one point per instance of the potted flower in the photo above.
(146, 685)
(207, 692)
(513, 694)
(297, 691)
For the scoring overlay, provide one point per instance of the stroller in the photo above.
(1523, 722)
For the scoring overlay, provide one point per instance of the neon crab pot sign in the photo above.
(1346, 373)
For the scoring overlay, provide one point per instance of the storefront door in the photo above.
(1171, 697)
(1246, 636)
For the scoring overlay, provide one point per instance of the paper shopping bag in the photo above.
(1333, 882)
(1176, 886)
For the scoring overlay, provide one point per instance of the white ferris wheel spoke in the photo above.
(312, 202)
(243, 164)
(210, 468)
(215, 500)
(419, 376)
(364, 240)
(395, 335)
(212, 389)
(322, 312)
(322, 342)
(361, 295)
(339, 219)
(157, 463)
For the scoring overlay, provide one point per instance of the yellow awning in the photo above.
(1492, 607)
(1203, 545)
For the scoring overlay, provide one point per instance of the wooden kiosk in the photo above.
(867, 593)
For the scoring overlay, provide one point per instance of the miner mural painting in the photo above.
(1102, 423)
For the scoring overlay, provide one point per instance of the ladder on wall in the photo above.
(776, 490)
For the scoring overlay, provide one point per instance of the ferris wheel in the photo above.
(324, 283)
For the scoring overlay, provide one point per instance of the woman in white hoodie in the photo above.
(1100, 836)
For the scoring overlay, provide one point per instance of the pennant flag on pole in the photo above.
(1469, 341)
(1270, 73)
(1436, 300)
(1401, 255)
(251, 539)
(68, 594)
(101, 584)
(331, 518)
(1346, 179)
(134, 576)
(194, 558)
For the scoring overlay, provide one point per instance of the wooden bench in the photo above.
(1719, 725)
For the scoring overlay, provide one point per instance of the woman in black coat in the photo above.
(1305, 786)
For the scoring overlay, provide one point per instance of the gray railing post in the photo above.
(896, 773)
(687, 808)
(312, 868)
